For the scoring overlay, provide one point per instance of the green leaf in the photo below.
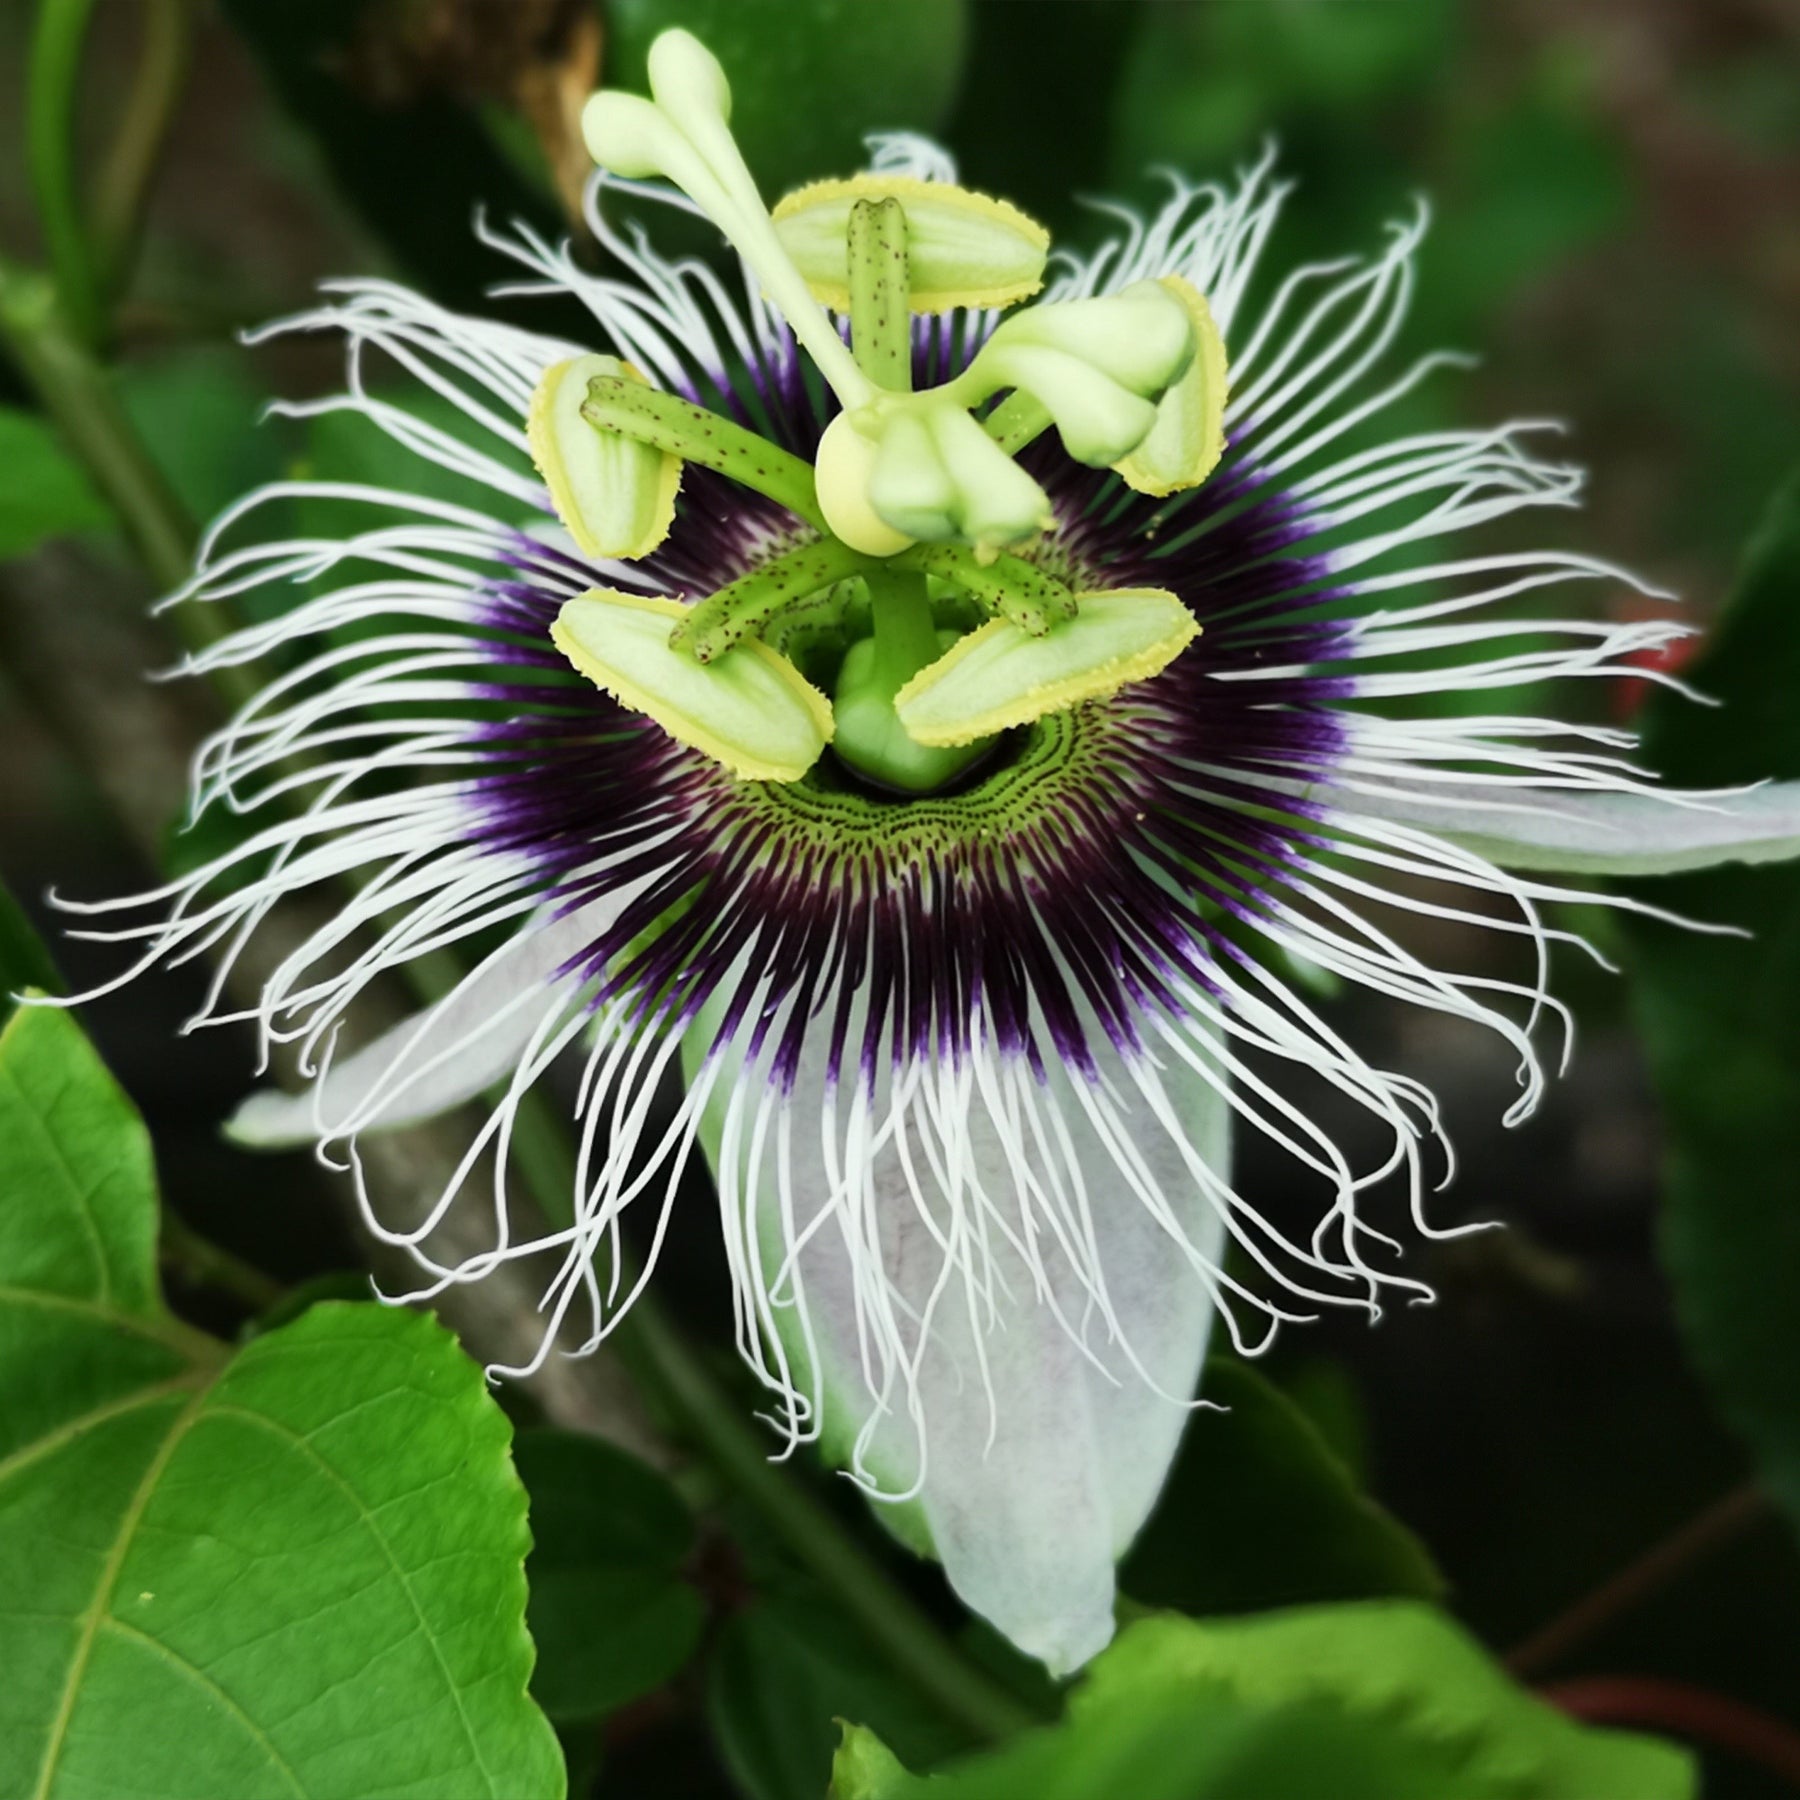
(1259, 1511)
(609, 1610)
(810, 79)
(1386, 1701)
(293, 1572)
(1721, 1021)
(783, 1671)
(45, 494)
(1412, 1670)
(202, 411)
(864, 1766)
(78, 1229)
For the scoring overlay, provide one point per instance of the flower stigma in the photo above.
(914, 595)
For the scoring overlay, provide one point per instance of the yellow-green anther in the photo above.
(1016, 590)
(616, 494)
(669, 423)
(999, 676)
(880, 324)
(742, 609)
(1184, 445)
(963, 248)
(683, 135)
(751, 710)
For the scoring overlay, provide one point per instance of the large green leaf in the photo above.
(292, 1572)
(44, 493)
(609, 1609)
(1381, 1701)
(1721, 1021)
(1259, 1511)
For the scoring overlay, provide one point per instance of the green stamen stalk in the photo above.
(668, 422)
(746, 607)
(1006, 585)
(906, 639)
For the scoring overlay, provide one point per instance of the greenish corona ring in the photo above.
(1056, 760)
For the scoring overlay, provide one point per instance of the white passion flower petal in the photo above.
(1183, 447)
(962, 248)
(1030, 1441)
(440, 1057)
(616, 495)
(749, 708)
(1637, 833)
(1000, 676)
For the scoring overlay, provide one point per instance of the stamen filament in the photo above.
(743, 608)
(1007, 585)
(668, 422)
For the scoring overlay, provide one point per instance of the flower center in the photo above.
(947, 634)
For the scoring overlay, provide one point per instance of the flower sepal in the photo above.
(750, 709)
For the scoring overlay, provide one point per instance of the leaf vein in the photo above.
(306, 1446)
(192, 1669)
(97, 1609)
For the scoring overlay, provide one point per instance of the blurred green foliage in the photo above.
(871, 68)
(45, 493)
(1721, 1020)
